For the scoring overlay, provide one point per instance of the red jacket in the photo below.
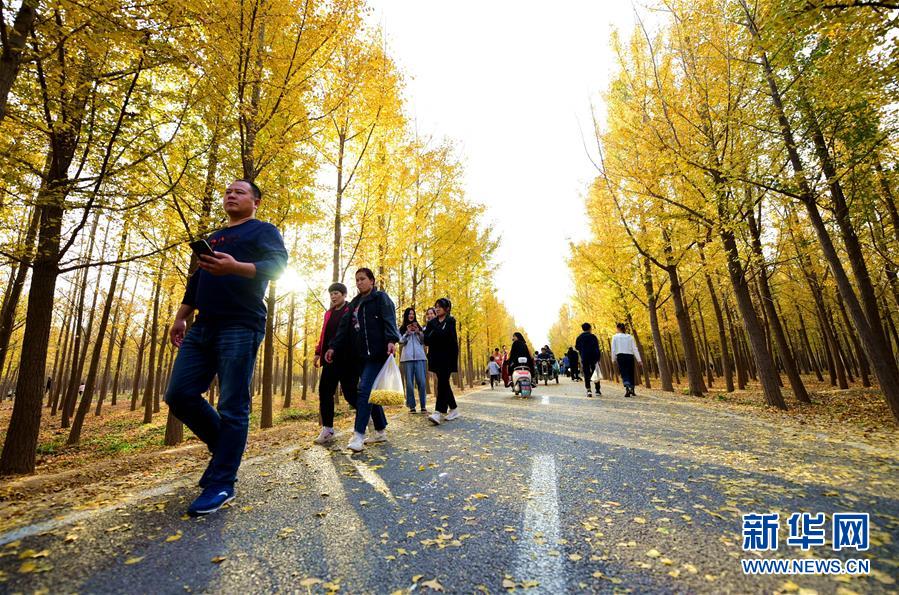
(328, 312)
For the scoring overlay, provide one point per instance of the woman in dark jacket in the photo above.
(369, 335)
(443, 358)
(520, 349)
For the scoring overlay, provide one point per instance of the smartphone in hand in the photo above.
(201, 247)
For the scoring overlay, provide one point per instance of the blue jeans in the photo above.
(364, 409)
(416, 371)
(230, 353)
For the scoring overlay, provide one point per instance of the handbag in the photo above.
(388, 386)
(597, 374)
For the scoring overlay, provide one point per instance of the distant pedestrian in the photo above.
(443, 359)
(626, 354)
(413, 360)
(228, 289)
(497, 357)
(588, 346)
(370, 334)
(574, 363)
(343, 370)
(494, 371)
(81, 388)
(49, 384)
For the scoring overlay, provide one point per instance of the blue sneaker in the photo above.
(210, 500)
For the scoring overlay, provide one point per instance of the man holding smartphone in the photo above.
(228, 288)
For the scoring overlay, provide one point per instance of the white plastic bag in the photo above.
(388, 386)
(597, 374)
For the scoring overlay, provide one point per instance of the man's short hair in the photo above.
(337, 287)
(586, 327)
(621, 327)
(257, 193)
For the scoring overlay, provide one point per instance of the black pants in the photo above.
(626, 368)
(332, 374)
(588, 374)
(446, 400)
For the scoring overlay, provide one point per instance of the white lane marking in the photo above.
(373, 479)
(533, 560)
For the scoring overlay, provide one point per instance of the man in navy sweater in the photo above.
(228, 288)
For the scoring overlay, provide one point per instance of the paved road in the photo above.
(552, 494)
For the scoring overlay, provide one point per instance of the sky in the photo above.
(512, 83)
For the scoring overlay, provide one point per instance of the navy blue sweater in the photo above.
(231, 299)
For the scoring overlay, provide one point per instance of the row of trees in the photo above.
(746, 199)
(121, 124)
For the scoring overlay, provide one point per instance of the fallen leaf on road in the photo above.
(134, 560)
(218, 559)
(433, 585)
(653, 553)
(174, 537)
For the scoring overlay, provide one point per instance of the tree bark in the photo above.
(154, 335)
(719, 319)
(14, 293)
(266, 420)
(780, 338)
(87, 396)
(658, 347)
(872, 339)
(691, 357)
(288, 373)
(14, 46)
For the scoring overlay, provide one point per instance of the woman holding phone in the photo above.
(413, 359)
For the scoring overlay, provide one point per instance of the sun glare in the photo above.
(290, 281)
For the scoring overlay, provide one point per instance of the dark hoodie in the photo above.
(368, 327)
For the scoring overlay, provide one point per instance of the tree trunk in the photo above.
(871, 338)
(803, 333)
(11, 57)
(266, 420)
(154, 335)
(138, 366)
(863, 367)
(661, 357)
(780, 338)
(691, 357)
(60, 356)
(288, 373)
(87, 396)
(719, 319)
(335, 273)
(14, 293)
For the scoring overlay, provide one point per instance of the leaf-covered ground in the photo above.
(556, 493)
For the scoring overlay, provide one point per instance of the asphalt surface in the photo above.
(556, 493)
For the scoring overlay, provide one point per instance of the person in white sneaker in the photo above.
(625, 352)
(341, 371)
(443, 357)
(370, 334)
